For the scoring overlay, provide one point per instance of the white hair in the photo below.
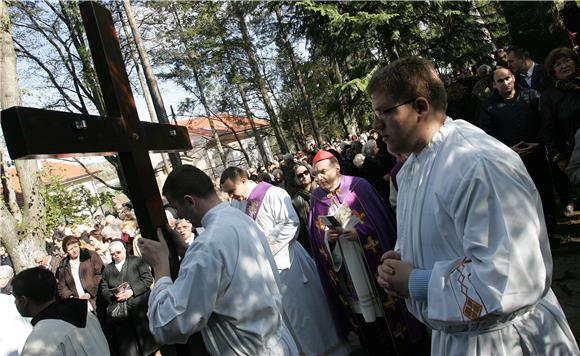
(6, 272)
(368, 148)
(111, 231)
(358, 160)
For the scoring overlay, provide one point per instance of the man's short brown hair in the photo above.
(408, 78)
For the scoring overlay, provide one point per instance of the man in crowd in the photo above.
(61, 327)
(472, 258)
(6, 275)
(5, 259)
(512, 115)
(227, 285)
(348, 254)
(528, 73)
(184, 228)
(302, 295)
(47, 261)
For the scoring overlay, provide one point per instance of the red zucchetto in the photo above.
(321, 155)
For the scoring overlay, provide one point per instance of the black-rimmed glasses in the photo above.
(383, 113)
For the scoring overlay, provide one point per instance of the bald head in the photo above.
(505, 83)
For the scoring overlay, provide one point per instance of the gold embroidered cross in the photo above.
(372, 244)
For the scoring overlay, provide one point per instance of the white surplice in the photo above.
(228, 288)
(54, 337)
(468, 210)
(303, 297)
(14, 329)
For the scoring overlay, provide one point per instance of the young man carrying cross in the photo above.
(227, 286)
(472, 257)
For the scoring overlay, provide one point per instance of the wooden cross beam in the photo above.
(35, 133)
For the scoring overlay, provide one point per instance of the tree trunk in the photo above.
(142, 84)
(150, 77)
(338, 80)
(22, 233)
(135, 59)
(249, 49)
(257, 136)
(299, 78)
(203, 100)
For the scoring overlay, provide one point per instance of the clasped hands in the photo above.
(525, 148)
(393, 274)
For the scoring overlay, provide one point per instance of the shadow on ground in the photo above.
(566, 275)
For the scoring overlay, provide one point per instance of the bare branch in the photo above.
(93, 175)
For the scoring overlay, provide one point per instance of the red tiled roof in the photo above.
(66, 172)
(200, 124)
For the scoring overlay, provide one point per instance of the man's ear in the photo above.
(243, 180)
(421, 105)
(190, 200)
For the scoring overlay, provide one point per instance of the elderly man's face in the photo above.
(183, 228)
(41, 260)
(327, 174)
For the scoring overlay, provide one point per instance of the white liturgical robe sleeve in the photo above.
(171, 319)
(500, 272)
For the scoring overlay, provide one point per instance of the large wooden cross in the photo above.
(35, 133)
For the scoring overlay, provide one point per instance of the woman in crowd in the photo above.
(561, 104)
(127, 280)
(303, 176)
(560, 109)
(79, 273)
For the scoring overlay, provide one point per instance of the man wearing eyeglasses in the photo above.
(472, 258)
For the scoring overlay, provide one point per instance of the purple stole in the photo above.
(377, 234)
(255, 199)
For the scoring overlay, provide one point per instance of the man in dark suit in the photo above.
(48, 262)
(528, 74)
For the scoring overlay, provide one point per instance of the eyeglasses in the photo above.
(303, 174)
(385, 112)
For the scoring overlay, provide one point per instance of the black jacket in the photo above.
(129, 336)
(514, 120)
(560, 120)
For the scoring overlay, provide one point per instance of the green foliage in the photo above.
(70, 205)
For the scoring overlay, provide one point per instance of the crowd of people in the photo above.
(430, 232)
